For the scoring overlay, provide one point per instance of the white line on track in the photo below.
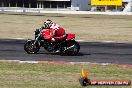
(19, 38)
(35, 62)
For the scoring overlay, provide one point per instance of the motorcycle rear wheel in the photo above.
(31, 48)
(74, 50)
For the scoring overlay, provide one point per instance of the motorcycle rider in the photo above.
(56, 31)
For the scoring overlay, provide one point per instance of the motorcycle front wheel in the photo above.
(31, 48)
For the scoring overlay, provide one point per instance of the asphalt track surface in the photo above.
(94, 52)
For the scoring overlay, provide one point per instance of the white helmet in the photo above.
(48, 23)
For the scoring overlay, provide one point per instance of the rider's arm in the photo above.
(52, 33)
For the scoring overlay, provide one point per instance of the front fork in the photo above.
(37, 40)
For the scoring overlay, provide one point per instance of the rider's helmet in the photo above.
(48, 23)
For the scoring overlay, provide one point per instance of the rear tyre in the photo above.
(31, 48)
(73, 48)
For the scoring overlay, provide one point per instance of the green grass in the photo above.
(23, 75)
(86, 27)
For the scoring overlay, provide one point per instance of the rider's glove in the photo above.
(53, 39)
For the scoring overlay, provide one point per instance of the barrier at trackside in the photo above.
(61, 11)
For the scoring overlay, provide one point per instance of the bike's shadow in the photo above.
(79, 54)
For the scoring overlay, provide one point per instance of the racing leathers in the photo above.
(57, 32)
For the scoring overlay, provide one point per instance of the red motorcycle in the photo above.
(43, 39)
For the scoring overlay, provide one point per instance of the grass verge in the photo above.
(86, 27)
(49, 75)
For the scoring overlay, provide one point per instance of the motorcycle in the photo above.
(66, 46)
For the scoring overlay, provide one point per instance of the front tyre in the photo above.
(73, 48)
(31, 48)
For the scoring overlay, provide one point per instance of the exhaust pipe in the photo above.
(69, 47)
